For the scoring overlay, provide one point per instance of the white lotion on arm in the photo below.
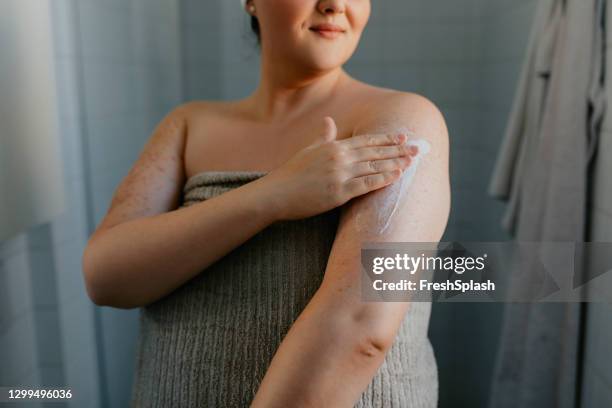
(387, 199)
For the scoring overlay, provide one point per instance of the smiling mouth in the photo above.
(327, 33)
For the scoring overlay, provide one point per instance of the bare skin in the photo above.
(127, 259)
(229, 136)
(334, 348)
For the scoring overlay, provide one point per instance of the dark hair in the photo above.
(255, 28)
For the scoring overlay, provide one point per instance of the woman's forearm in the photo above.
(331, 353)
(137, 262)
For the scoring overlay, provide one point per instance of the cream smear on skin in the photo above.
(387, 200)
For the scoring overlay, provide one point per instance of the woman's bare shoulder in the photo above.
(202, 115)
(386, 107)
(194, 111)
(379, 98)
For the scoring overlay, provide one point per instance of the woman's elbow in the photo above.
(371, 346)
(371, 327)
(99, 291)
(377, 325)
(368, 347)
(92, 287)
(102, 297)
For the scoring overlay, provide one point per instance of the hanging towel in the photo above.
(523, 126)
(542, 172)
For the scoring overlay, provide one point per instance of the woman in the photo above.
(239, 229)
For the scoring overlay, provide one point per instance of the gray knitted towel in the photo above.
(209, 343)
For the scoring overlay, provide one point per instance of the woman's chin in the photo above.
(325, 63)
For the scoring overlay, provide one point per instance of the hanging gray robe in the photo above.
(542, 171)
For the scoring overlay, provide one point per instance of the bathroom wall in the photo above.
(598, 361)
(203, 48)
(502, 30)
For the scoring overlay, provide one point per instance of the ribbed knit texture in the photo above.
(210, 342)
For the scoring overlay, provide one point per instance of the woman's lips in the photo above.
(327, 33)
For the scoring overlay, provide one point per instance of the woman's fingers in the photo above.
(374, 139)
(362, 185)
(379, 166)
(381, 152)
(375, 167)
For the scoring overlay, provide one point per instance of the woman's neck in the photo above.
(282, 96)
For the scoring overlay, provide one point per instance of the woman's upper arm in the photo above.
(415, 207)
(415, 212)
(153, 184)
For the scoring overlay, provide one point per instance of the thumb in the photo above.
(330, 131)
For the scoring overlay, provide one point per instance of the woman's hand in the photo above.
(329, 172)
